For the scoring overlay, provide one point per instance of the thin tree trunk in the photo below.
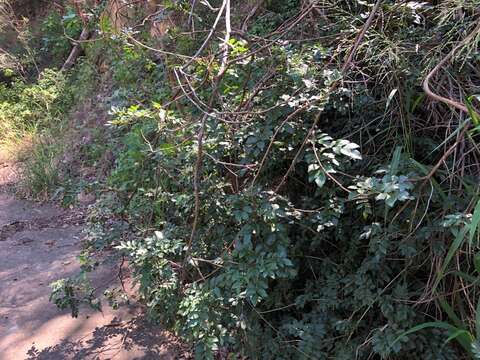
(77, 50)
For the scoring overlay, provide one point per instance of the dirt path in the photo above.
(39, 244)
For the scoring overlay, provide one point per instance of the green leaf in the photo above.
(472, 228)
(320, 179)
(471, 111)
(475, 349)
(350, 151)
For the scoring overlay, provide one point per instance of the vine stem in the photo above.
(426, 82)
(201, 132)
(346, 65)
(360, 36)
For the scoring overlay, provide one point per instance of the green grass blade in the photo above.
(470, 278)
(461, 336)
(451, 136)
(395, 160)
(427, 325)
(451, 314)
(457, 243)
(474, 224)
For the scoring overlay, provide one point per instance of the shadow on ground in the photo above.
(112, 340)
(39, 244)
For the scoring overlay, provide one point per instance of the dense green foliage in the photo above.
(285, 208)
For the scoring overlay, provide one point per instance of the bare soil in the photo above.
(39, 244)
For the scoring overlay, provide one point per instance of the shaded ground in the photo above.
(39, 244)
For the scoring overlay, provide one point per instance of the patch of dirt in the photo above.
(38, 245)
(61, 220)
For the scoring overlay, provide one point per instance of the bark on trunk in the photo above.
(76, 51)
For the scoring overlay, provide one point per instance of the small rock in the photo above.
(25, 240)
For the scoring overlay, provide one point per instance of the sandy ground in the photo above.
(39, 244)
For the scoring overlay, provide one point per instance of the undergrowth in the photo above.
(291, 191)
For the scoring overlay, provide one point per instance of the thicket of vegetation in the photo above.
(288, 179)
